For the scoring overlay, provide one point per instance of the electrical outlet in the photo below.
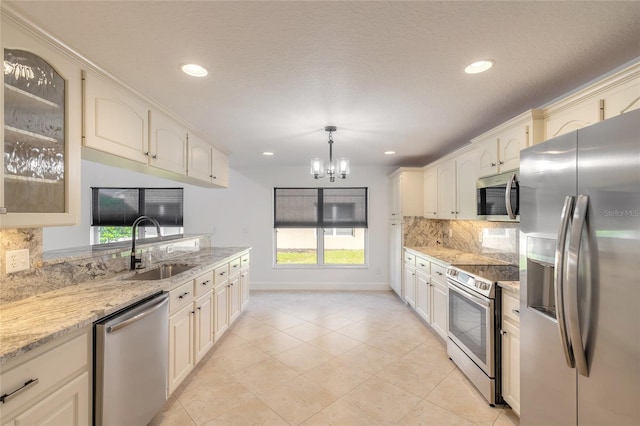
(450, 233)
(17, 260)
(480, 236)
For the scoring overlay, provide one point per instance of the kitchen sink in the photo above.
(164, 271)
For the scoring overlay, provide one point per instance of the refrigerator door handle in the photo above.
(571, 273)
(507, 196)
(561, 244)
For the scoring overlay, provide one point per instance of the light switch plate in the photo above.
(17, 260)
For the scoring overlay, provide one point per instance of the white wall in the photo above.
(242, 216)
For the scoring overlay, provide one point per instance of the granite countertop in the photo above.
(32, 322)
(456, 257)
(512, 286)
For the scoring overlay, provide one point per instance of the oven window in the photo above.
(468, 323)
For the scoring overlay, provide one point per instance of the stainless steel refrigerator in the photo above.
(580, 276)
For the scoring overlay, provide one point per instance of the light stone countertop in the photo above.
(511, 286)
(456, 257)
(29, 323)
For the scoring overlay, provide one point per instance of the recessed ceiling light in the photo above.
(267, 153)
(479, 66)
(195, 70)
(389, 152)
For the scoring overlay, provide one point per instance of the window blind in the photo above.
(121, 206)
(320, 208)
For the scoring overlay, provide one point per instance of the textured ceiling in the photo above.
(389, 75)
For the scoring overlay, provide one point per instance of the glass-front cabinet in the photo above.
(41, 132)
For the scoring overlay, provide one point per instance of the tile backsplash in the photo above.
(498, 240)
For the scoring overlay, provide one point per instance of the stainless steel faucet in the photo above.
(134, 259)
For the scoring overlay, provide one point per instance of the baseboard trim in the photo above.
(366, 286)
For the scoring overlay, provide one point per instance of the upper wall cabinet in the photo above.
(499, 149)
(41, 132)
(456, 187)
(167, 143)
(207, 164)
(115, 121)
(430, 187)
(405, 188)
(611, 96)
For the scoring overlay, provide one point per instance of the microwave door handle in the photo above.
(507, 196)
(571, 273)
(561, 245)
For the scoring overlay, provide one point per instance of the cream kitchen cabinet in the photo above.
(115, 120)
(167, 143)
(245, 280)
(611, 96)
(206, 163)
(466, 178)
(431, 292)
(440, 298)
(446, 183)
(423, 293)
(221, 308)
(499, 149)
(456, 186)
(395, 257)
(510, 332)
(49, 385)
(40, 131)
(409, 279)
(405, 189)
(430, 188)
(191, 319)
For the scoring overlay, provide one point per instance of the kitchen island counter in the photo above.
(29, 323)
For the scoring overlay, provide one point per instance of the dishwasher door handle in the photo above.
(138, 317)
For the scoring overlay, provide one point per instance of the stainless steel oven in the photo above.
(472, 326)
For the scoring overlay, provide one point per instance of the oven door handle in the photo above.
(507, 196)
(464, 293)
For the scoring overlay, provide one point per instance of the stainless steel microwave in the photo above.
(498, 197)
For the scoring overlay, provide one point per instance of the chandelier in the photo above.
(335, 169)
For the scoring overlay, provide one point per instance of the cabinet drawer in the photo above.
(204, 283)
(510, 308)
(409, 258)
(234, 266)
(438, 271)
(52, 367)
(423, 264)
(180, 296)
(245, 260)
(221, 273)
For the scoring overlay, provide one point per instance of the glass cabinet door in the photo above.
(34, 135)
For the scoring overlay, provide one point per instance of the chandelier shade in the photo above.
(333, 169)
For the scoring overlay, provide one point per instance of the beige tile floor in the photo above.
(328, 358)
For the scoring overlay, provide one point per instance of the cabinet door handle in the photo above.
(439, 273)
(146, 153)
(493, 164)
(516, 311)
(199, 307)
(154, 157)
(422, 264)
(502, 332)
(183, 295)
(29, 383)
(501, 162)
(222, 273)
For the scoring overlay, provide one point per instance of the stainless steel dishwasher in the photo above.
(131, 363)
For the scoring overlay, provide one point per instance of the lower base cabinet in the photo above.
(426, 290)
(511, 351)
(181, 347)
(52, 384)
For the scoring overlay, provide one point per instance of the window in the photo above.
(320, 226)
(113, 211)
